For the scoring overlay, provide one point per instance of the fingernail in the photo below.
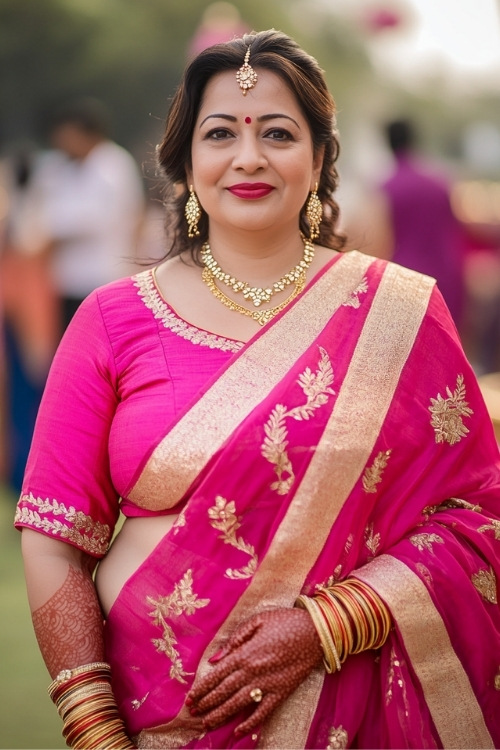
(217, 656)
(238, 733)
(188, 701)
(194, 711)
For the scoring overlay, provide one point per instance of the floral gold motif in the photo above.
(425, 573)
(447, 414)
(425, 541)
(372, 540)
(485, 582)
(136, 704)
(493, 526)
(354, 300)
(316, 387)
(182, 601)
(78, 528)
(497, 680)
(458, 502)
(373, 474)
(223, 518)
(393, 681)
(180, 520)
(337, 738)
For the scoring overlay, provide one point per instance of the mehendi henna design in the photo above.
(69, 626)
(273, 651)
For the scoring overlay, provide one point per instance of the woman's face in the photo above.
(253, 164)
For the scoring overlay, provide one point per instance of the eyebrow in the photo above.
(262, 118)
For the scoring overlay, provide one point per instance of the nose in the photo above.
(249, 155)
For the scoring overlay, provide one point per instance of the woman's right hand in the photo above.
(271, 653)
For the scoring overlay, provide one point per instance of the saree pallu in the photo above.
(348, 438)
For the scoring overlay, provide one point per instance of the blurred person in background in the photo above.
(31, 310)
(308, 473)
(423, 233)
(91, 203)
(220, 22)
(4, 203)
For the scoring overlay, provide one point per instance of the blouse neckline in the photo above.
(151, 296)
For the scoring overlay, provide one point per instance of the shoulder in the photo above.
(391, 269)
(114, 317)
(118, 303)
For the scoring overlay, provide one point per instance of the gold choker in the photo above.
(261, 316)
(258, 295)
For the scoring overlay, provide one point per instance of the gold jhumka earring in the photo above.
(246, 75)
(192, 212)
(314, 213)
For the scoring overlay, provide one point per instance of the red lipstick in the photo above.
(251, 190)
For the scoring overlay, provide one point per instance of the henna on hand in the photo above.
(273, 651)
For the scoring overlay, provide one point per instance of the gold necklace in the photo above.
(261, 316)
(258, 295)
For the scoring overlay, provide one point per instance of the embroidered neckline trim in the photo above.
(151, 297)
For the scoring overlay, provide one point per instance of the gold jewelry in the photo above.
(85, 702)
(349, 617)
(67, 674)
(192, 212)
(314, 213)
(258, 295)
(246, 75)
(256, 695)
(261, 316)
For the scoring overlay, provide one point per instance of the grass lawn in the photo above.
(28, 719)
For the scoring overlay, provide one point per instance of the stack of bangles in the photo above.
(349, 617)
(86, 704)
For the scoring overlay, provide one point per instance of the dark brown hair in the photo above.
(271, 50)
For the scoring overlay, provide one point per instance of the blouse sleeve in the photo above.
(67, 490)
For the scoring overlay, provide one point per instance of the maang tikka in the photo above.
(314, 213)
(192, 212)
(246, 75)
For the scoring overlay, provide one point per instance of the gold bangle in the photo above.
(68, 674)
(91, 671)
(331, 658)
(344, 622)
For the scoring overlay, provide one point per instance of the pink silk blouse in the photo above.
(126, 370)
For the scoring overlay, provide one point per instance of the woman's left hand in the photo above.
(269, 655)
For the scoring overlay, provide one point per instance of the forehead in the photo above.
(270, 94)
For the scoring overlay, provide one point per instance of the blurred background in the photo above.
(417, 86)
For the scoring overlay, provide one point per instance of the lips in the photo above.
(251, 190)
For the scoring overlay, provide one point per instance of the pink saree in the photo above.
(348, 438)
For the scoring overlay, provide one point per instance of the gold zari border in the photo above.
(246, 382)
(386, 341)
(75, 527)
(443, 679)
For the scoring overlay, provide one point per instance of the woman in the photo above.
(310, 436)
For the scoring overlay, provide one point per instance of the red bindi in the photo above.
(248, 120)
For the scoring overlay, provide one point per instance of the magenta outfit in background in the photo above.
(427, 235)
(348, 437)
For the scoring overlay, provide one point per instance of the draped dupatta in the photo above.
(331, 445)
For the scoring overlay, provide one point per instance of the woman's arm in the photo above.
(68, 625)
(66, 614)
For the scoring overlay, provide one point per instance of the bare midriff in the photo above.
(131, 547)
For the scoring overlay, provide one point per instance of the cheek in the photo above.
(206, 168)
